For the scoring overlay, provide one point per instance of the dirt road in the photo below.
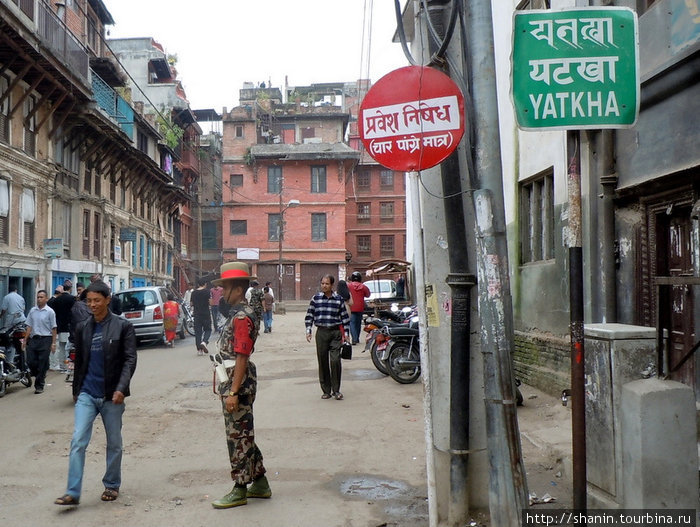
(359, 462)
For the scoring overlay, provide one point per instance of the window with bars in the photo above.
(537, 218)
(86, 233)
(364, 244)
(29, 115)
(386, 180)
(386, 211)
(364, 212)
(318, 180)
(235, 180)
(363, 180)
(273, 227)
(238, 227)
(318, 227)
(386, 245)
(4, 211)
(274, 179)
(4, 110)
(208, 235)
(97, 235)
(28, 217)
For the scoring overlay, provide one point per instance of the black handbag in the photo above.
(346, 351)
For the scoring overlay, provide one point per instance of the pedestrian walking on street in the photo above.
(359, 292)
(215, 297)
(202, 316)
(327, 312)
(105, 361)
(254, 296)
(171, 312)
(268, 303)
(237, 342)
(62, 305)
(40, 341)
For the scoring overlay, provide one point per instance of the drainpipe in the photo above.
(608, 180)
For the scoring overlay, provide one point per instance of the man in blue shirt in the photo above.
(327, 312)
(105, 361)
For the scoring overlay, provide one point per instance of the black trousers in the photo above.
(328, 342)
(38, 352)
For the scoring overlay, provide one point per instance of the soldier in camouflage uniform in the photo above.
(255, 300)
(237, 343)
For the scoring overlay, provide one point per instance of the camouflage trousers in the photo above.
(246, 458)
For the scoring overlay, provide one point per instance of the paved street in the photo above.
(356, 462)
(359, 462)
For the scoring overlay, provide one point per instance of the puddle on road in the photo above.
(396, 498)
(374, 488)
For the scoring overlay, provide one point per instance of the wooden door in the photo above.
(674, 259)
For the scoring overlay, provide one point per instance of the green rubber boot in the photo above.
(235, 498)
(260, 488)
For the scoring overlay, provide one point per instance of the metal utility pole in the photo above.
(508, 489)
(578, 404)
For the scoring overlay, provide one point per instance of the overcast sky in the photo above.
(222, 43)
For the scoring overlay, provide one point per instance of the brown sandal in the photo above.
(110, 494)
(67, 499)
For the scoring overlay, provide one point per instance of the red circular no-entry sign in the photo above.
(412, 118)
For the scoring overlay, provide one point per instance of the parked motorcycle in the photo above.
(403, 352)
(377, 341)
(13, 365)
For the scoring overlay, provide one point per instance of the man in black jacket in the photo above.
(105, 360)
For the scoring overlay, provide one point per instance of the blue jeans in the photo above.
(267, 319)
(86, 409)
(355, 325)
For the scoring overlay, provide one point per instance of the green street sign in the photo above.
(576, 68)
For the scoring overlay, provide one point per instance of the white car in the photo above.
(379, 289)
(143, 307)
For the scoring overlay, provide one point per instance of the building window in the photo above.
(4, 211)
(28, 215)
(537, 218)
(4, 110)
(142, 251)
(87, 179)
(98, 185)
(364, 214)
(208, 235)
(93, 34)
(386, 179)
(97, 232)
(364, 244)
(238, 227)
(274, 180)
(386, 245)
(86, 233)
(142, 141)
(386, 211)
(61, 224)
(318, 180)
(318, 227)
(113, 240)
(235, 180)
(363, 180)
(239, 131)
(273, 227)
(30, 125)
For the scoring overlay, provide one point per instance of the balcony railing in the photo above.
(60, 41)
(113, 104)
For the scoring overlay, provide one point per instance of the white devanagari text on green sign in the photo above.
(576, 68)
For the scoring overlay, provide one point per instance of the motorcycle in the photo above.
(403, 352)
(13, 364)
(377, 341)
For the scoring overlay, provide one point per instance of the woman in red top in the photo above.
(171, 313)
